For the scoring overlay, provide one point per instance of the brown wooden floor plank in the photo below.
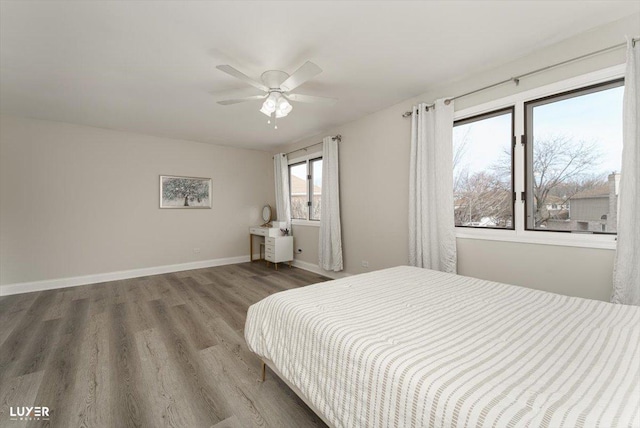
(232, 382)
(56, 389)
(165, 390)
(9, 321)
(18, 302)
(14, 346)
(20, 390)
(39, 349)
(128, 409)
(229, 338)
(231, 422)
(92, 387)
(210, 404)
(59, 305)
(199, 335)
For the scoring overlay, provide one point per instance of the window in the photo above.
(573, 158)
(483, 170)
(305, 186)
(299, 190)
(564, 174)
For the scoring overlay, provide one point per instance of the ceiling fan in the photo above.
(277, 87)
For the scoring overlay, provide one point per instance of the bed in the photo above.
(410, 347)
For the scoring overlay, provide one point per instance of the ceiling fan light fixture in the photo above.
(270, 104)
(266, 111)
(283, 108)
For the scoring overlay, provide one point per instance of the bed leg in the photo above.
(264, 371)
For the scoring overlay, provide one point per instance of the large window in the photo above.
(543, 165)
(573, 157)
(305, 185)
(483, 170)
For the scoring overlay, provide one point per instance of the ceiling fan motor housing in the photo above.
(274, 78)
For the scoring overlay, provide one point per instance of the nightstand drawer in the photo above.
(261, 231)
(270, 257)
(271, 249)
(270, 240)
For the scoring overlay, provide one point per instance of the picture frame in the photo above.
(181, 192)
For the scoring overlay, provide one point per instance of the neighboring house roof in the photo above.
(601, 191)
(299, 186)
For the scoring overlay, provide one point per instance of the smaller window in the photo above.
(483, 170)
(305, 189)
(298, 190)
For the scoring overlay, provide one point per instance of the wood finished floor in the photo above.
(164, 350)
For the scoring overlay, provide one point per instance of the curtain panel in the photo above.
(626, 273)
(281, 174)
(432, 241)
(330, 244)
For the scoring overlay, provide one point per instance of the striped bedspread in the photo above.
(409, 347)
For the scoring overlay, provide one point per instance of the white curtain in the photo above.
(432, 241)
(626, 273)
(281, 174)
(330, 245)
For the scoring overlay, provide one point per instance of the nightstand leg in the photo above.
(264, 371)
(276, 266)
(289, 264)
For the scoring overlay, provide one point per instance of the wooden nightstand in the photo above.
(278, 249)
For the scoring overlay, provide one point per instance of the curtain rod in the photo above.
(516, 79)
(336, 138)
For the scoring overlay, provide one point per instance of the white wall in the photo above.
(374, 156)
(77, 200)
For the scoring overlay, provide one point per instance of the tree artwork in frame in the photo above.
(185, 192)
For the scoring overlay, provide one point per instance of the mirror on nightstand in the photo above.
(266, 215)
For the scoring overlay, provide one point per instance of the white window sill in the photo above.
(607, 242)
(313, 223)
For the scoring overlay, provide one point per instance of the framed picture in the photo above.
(185, 192)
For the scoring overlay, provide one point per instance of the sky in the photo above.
(488, 138)
(595, 117)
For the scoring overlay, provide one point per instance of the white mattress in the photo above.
(410, 347)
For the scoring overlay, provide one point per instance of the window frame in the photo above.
(305, 159)
(310, 170)
(520, 234)
(528, 139)
(489, 115)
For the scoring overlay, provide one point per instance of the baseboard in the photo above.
(27, 287)
(317, 269)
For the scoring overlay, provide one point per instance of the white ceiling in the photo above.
(149, 67)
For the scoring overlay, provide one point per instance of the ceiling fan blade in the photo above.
(311, 99)
(301, 75)
(241, 100)
(236, 93)
(240, 75)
